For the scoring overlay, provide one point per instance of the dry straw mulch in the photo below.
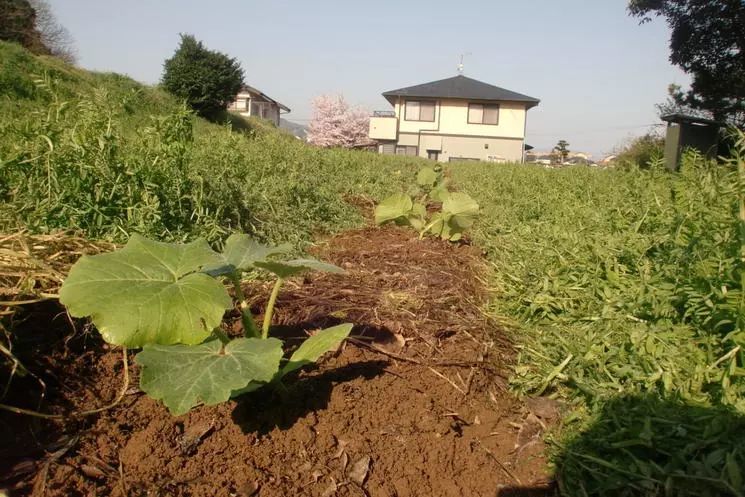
(32, 267)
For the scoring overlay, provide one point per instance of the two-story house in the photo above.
(454, 119)
(252, 102)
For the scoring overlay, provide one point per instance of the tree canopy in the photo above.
(207, 80)
(707, 42)
(18, 24)
(336, 124)
(55, 37)
(562, 148)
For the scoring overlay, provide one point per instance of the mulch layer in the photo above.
(415, 404)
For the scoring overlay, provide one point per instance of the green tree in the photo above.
(562, 148)
(18, 24)
(707, 42)
(55, 37)
(207, 80)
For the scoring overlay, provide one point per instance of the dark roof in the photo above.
(687, 119)
(460, 87)
(263, 95)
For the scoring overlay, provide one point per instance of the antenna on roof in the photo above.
(460, 66)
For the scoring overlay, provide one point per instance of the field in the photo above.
(588, 332)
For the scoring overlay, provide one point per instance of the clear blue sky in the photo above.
(597, 72)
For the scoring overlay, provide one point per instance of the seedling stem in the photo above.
(270, 308)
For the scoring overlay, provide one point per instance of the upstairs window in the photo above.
(420, 111)
(483, 114)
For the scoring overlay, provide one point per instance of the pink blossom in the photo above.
(336, 124)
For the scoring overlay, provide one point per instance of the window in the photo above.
(483, 114)
(420, 111)
(406, 150)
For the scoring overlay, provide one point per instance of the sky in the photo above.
(597, 72)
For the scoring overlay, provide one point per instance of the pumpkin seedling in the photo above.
(457, 214)
(169, 299)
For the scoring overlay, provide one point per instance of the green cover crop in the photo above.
(169, 299)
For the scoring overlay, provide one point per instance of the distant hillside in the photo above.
(102, 154)
(296, 129)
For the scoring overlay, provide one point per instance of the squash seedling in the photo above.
(457, 214)
(169, 299)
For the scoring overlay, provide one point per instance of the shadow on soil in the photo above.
(648, 446)
(260, 412)
(547, 490)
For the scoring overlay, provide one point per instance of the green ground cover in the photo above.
(624, 289)
(105, 155)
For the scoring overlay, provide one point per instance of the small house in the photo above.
(454, 119)
(252, 102)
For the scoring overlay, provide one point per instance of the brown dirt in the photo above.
(415, 405)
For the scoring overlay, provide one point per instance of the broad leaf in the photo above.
(285, 269)
(308, 353)
(315, 346)
(426, 177)
(241, 252)
(436, 224)
(148, 292)
(460, 209)
(184, 376)
(392, 208)
(439, 193)
(417, 216)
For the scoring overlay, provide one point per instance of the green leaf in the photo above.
(417, 216)
(148, 292)
(241, 252)
(426, 177)
(437, 224)
(315, 346)
(285, 269)
(439, 193)
(733, 471)
(461, 209)
(392, 208)
(183, 376)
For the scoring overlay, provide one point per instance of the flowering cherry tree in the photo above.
(336, 124)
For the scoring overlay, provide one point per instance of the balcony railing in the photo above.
(384, 113)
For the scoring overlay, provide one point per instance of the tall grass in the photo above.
(624, 284)
(104, 155)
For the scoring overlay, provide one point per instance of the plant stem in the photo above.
(221, 335)
(249, 325)
(270, 308)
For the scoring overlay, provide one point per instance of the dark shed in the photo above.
(689, 132)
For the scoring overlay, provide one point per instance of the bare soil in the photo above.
(416, 404)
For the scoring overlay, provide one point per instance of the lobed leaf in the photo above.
(309, 352)
(148, 292)
(317, 345)
(241, 253)
(393, 208)
(439, 193)
(285, 269)
(184, 376)
(460, 209)
(426, 177)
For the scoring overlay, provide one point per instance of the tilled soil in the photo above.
(414, 405)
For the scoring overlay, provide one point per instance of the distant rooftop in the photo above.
(261, 94)
(460, 87)
(689, 119)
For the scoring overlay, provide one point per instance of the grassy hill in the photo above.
(101, 153)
